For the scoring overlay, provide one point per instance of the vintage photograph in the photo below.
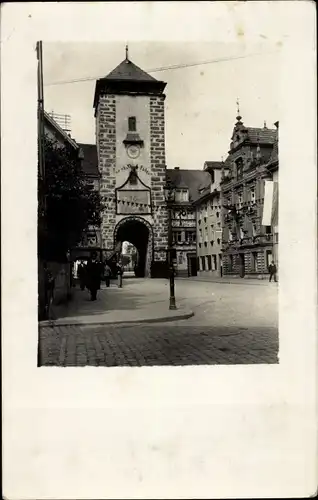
(158, 204)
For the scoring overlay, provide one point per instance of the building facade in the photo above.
(130, 136)
(247, 245)
(188, 185)
(209, 222)
(273, 169)
(91, 240)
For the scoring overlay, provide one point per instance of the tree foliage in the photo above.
(70, 205)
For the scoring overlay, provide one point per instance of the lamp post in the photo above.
(169, 192)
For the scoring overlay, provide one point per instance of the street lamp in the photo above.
(169, 192)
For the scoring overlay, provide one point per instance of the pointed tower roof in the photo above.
(127, 78)
(127, 70)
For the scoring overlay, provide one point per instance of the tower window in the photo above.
(132, 124)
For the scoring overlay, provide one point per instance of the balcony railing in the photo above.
(260, 239)
(263, 238)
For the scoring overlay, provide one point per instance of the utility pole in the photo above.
(40, 111)
(42, 292)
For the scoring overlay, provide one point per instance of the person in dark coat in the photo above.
(93, 275)
(272, 271)
(107, 273)
(81, 272)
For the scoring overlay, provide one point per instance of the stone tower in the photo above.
(130, 137)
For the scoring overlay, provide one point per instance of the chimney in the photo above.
(276, 124)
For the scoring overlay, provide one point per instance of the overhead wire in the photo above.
(162, 68)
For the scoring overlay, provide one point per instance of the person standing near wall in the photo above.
(120, 275)
(81, 271)
(93, 275)
(272, 271)
(107, 273)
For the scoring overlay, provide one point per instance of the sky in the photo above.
(201, 100)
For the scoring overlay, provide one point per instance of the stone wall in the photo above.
(106, 139)
(158, 177)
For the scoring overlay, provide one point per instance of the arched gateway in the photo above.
(130, 134)
(139, 232)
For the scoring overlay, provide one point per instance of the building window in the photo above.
(202, 263)
(209, 262)
(241, 233)
(182, 195)
(214, 263)
(218, 241)
(254, 261)
(190, 236)
(240, 200)
(180, 258)
(268, 230)
(132, 124)
(239, 168)
(269, 257)
(231, 263)
(252, 195)
(217, 214)
(254, 229)
(219, 234)
(179, 237)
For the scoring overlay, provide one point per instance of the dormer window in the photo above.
(182, 195)
(132, 124)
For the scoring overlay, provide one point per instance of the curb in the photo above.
(163, 319)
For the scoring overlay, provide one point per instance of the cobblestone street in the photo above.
(150, 345)
(233, 324)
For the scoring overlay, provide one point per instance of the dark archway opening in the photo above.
(137, 233)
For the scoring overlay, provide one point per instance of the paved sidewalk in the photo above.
(228, 280)
(129, 304)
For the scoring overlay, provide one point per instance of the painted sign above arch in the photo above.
(134, 196)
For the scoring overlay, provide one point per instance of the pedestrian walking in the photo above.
(107, 274)
(81, 273)
(49, 285)
(93, 275)
(120, 275)
(272, 271)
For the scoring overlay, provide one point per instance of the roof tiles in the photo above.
(192, 179)
(127, 70)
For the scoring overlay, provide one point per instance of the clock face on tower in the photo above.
(133, 151)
